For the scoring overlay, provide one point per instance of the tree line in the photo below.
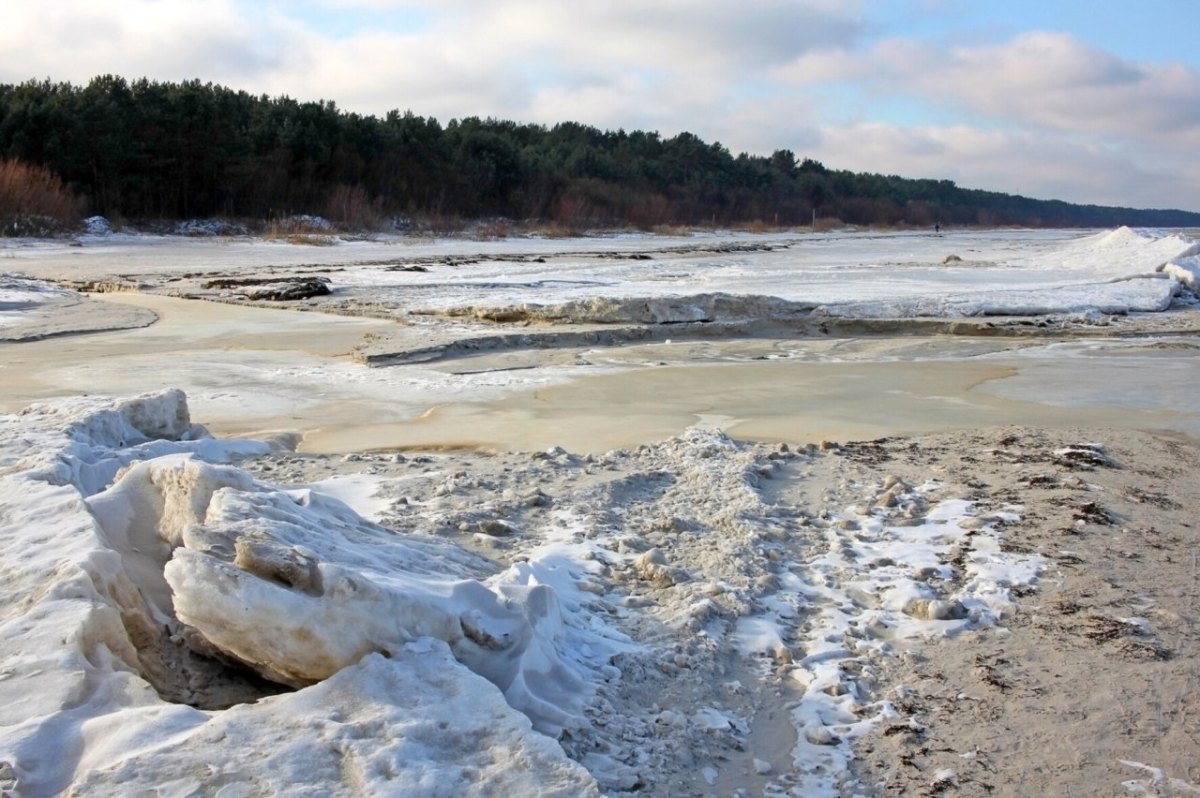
(159, 150)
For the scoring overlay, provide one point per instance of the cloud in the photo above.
(140, 38)
(378, 72)
(1055, 81)
(670, 34)
(1034, 164)
(669, 66)
(1047, 80)
(699, 36)
(1043, 113)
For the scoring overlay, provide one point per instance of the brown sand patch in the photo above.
(1098, 667)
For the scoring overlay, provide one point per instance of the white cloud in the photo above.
(670, 34)
(177, 40)
(1044, 114)
(671, 66)
(1021, 162)
(1047, 80)
(1055, 81)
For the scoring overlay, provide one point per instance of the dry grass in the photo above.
(672, 230)
(311, 231)
(827, 223)
(762, 226)
(305, 239)
(445, 223)
(550, 229)
(758, 226)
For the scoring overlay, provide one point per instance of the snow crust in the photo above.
(123, 537)
(894, 276)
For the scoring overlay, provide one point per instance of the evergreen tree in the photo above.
(149, 149)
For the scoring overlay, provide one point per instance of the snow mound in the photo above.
(239, 557)
(1127, 252)
(204, 228)
(305, 223)
(1119, 272)
(682, 309)
(1146, 294)
(83, 443)
(417, 723)
(140, 616)
(97, 226)
(17, 293)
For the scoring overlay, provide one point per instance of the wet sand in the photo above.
(793, 402)
(161, 355)
(245, 368)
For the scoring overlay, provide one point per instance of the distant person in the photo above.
(937, 227)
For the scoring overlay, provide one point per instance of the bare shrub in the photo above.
(573, 211)
(352, 209)
(758, 226)
(589, 203)
(445, 223)
(650, 211)
(826, 223)
(550, 230)
(33, 200)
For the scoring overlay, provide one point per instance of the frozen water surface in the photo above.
(912, 270)
(247, 371)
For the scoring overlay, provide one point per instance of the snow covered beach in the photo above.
(682, 612)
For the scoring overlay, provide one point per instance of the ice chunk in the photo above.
(297, 586)
(1185, 270)
(418, 723)
(88, 617)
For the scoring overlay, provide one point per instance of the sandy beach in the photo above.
(789, 555)
(1087, 683)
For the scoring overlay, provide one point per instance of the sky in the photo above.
(1092, 101)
